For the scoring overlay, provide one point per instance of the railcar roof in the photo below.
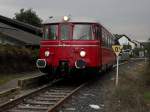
(71, 19)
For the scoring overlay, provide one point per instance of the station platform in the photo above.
(12, 84)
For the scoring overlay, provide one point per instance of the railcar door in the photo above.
(97, 31)
(65, 30)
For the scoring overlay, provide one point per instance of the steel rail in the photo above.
(53, 109)
(47, 98)
(18, 100)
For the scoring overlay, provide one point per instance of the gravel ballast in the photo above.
(88, 99)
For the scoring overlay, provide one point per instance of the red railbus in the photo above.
(71, 43)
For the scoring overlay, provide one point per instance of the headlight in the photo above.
(82, 53)
(66, 18)
(47, 53)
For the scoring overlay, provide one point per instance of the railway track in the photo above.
(45, 99)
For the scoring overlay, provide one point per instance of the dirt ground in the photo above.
(128, 96)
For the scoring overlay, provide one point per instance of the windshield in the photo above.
(68, 32)
(51, 32)
(65, 31)
(82, 32)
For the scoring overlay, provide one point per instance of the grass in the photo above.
(146, 80)
(131, 95)
(147, 96)
(4, 78)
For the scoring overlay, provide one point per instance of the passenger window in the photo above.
(106, 40)
(97, 32)
(103, 38)
(109, 42)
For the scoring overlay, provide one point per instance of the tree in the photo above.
(28, 16)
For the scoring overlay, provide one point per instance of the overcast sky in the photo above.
(130, 17)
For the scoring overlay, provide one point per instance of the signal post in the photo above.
(117, 49)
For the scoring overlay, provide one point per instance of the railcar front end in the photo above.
(67, 46)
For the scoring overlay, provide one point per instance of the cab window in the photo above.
(65, 31)
(51, 32)
(82, 32)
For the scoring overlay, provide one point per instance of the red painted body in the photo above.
(70, 51)
(108, 56)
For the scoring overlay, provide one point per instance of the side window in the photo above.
(103, 37)
(94, 31)
(97, 32)
(107, 40)
(113, 41)
(110, 41)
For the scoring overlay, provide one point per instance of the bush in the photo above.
(16, 59)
